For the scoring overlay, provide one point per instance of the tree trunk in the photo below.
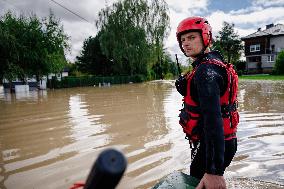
(229, 58)
(11, 87)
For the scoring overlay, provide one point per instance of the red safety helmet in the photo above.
(195, 24)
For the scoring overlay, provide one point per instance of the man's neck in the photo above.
(207, 50)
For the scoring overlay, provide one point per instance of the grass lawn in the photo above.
(262, 77)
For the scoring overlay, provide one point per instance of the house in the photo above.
(59, 76)
(262, 47)
(32, 82)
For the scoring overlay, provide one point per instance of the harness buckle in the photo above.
(227, 109)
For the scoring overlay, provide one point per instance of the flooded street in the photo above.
(50, 139)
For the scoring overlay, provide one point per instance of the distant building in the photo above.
(262, 47)
(59, 76)
(32, 82)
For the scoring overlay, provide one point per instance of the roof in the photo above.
(278, 29)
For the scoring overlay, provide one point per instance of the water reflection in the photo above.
(33, 95)
(32, 129)
(161, 148)
(85, 128)
(261, 96)
(260, 151)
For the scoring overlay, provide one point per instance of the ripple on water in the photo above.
(51, 140)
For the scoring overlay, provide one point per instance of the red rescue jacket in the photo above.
(190, 114)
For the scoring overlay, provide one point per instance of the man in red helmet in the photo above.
(209, 117)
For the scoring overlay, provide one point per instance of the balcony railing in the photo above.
(269, 51)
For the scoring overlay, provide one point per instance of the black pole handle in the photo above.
(107, 170)
(179, 71)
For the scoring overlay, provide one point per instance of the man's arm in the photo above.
(208, 83)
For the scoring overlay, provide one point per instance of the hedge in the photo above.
(71, 81)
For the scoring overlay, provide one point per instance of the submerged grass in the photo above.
(262, 77)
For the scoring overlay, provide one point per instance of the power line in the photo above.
(58, 5)
(70, 11)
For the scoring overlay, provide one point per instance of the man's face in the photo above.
(192, 43)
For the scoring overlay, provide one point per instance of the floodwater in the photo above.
(50, 139)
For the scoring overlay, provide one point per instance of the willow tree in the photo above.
(157, 29)
(132, 33)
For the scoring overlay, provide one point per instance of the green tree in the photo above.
(172, 66)
(73, 69)
(132, 34)
(9, 47)
(278, 68)
(30, 46)
(240, 66)
(55, 43)
(92, 60)
(229, 43)
(164, 68)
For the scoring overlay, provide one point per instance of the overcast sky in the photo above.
(247, 15)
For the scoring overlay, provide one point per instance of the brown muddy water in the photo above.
(50, 139)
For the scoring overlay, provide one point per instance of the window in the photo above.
(254, 48)
(272, 48)
(257, 47)
(270, 58)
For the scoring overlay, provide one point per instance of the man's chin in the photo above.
(190, 55)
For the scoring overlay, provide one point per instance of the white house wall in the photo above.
(64, 74)
(278, 42)
(265, 63)
(252, 65)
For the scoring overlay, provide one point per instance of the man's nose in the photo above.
(185, 43)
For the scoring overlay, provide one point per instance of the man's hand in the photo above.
(212, 182)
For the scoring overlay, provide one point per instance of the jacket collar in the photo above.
(206, 56)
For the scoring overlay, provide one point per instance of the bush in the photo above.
(83, 81)
(240, 66)
(278, 68)
(240, 72)
(139, 78)
(169, 76)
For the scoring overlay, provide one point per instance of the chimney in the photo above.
(259, 29)
(269, 26)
